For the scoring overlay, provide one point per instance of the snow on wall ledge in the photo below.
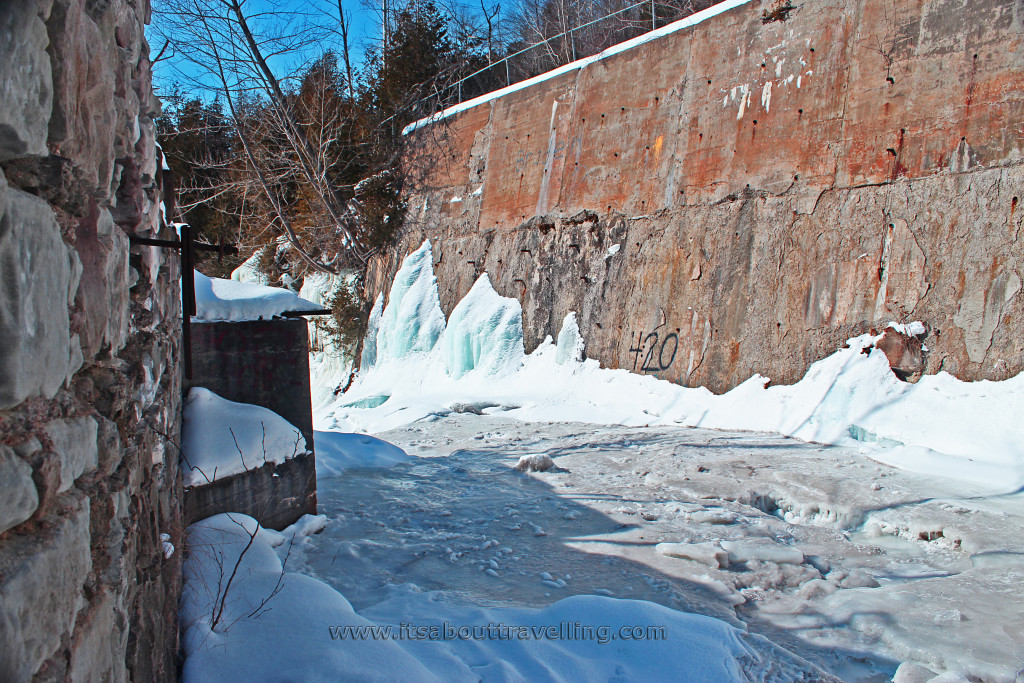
(218, 299)
(219, 435)
(737, 197)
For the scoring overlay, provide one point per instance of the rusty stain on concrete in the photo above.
(775, 189)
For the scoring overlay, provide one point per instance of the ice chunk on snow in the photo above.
(413, 320)
(307, 525)
(538, 462)
(911, 672)
(484, 333)
(337, 452)
(717, 516)
(745, 551)
(570, 341)
(705, 553)
(219, 299)
(221, 438)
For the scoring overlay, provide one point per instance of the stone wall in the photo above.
(89, 336)
(741, 196)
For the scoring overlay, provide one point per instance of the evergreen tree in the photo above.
(198, 143)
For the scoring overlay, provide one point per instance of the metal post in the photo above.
(508, 74)
(654, 17)
(187, 246)
(572, 41)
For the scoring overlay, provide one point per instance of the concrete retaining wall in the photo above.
(773, 189)
(265, 363)
(274, 496)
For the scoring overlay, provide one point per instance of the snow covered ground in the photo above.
(416, 364)
(848, 524)
(246, 618)
(850, 564)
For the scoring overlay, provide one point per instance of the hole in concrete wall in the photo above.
(812, 49)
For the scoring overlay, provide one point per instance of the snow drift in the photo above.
(244, 617)
(415, 366)
(221, 438)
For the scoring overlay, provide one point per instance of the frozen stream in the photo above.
(896, 552)
(850, 564)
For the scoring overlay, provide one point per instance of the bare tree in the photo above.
(229, 47)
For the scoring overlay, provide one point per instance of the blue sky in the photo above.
(363, 34)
